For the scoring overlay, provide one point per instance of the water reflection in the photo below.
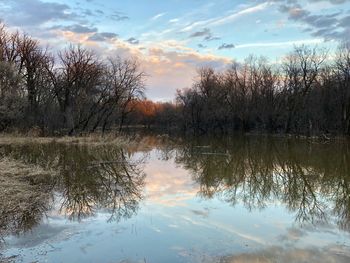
(194, 193)
(335, 253)
(80, 181)
(311, 179)
(24, 198)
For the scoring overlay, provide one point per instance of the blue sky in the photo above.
(173, 38)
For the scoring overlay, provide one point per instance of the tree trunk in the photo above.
(69, 120)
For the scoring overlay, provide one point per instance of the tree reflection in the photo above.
(24, 199)
(84, 180)
(108, 181)
(311, 179)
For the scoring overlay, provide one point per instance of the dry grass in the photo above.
(90, 139)
(23, 193)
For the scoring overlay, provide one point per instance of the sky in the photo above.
(172, 39)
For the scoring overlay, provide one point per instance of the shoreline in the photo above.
(135, 137)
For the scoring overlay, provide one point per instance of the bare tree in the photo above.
(301, 70)
(127, 83)
(11, 102)
(75, 83)
(343, 80)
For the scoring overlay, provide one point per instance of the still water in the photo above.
(178, 200)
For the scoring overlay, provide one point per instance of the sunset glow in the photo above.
(174, 38)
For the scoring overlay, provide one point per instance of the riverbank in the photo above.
(90, 139)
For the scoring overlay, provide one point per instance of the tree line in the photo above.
(307, 93)
(70, 91)
(73, 91)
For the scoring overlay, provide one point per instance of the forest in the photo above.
(74, 91)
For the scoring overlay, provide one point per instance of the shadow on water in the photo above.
(311, 179)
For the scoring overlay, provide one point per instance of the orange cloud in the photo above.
(168, 185)
(169, 64)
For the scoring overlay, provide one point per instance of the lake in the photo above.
(240, 199)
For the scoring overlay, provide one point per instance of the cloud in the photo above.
(161, 190)
(119, 16)
(293, 234)
(203, 213)
(226, 46)
(206, 33)
(172, 70)
(133, 41)
(328, 26)
(36, 12)
(228, 18)
(170, 64)
(174, 20)
(281, 44)
(210, 38)
(88, 12)
(235, 15)
(333, 253)
(76, 29)
(335, 2)
(103, 36)
(157, 16)
(40, 13)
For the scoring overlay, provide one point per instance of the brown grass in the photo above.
(23, 193)
(90, 139)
